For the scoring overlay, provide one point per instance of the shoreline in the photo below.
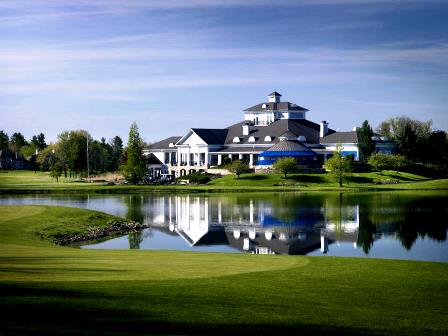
(107, 189)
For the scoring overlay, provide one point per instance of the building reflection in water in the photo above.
(254, 225)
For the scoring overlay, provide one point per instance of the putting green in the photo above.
(26, 258)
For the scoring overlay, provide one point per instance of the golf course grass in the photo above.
(47, 289)
(29, 181)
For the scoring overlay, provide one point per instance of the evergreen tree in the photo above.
(4, 140)
(39, 141)
(366, 145)
(116, 145)
(17, 141)
(134, 169)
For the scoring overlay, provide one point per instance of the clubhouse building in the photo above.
(270, 130)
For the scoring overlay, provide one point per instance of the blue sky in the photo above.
(99, 65)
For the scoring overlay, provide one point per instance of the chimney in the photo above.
(323, 128)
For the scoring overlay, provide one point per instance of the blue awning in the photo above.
(287, 153)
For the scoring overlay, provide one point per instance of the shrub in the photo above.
(199, 178)
(239, 167)
(285, 165)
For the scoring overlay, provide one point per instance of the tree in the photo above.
(338, 166)
(366, 145)
(380, 161)
(56, 171)
(4, 140)
(398, 162)
(437, 149)
(47, 158)
(39, 141)
(17, 141)
(411, 135)
(72, 150)
(116, 145)
(99, 156)
(384, 129)
(285, 165)
(134, 169)
(239, 167)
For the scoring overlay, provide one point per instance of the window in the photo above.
(171, 145)
(251, 139)
(236, 139)
(267, 138)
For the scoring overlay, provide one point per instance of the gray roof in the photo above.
(164, 144)
(292, 127)
(235, 149)
(289, 146)
(275, 93)
(284, 106)
(289, 135)
(153, 160)
(341, 137)
(297, 127)
(212, 136)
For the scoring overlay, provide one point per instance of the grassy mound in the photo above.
(51, 289)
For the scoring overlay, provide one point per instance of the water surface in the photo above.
(398, 225)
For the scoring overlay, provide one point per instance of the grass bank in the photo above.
(28, 181)
(52, 289)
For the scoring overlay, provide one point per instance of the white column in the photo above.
(219, 159)
(230, 156)
(188, 157)
(240, 156)
(251, 160)
(251, 212)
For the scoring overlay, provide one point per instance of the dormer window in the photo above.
(171, 145)
(268, 138)
(301, 138)
(263, 106)
(251, 139)
(236, 139)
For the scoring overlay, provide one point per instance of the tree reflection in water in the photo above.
(290, 223)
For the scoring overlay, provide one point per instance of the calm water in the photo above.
(378, 225)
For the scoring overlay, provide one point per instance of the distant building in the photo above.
(12, 160)
(270, 130)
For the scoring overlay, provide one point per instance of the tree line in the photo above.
(416, 140)
(76, 151)
(68, 153)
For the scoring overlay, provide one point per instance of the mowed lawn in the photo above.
(47, 289)
(22, 181)
(28, 177)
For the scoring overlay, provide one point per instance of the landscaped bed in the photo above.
(52, 289)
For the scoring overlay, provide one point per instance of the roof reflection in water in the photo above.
(255, 226)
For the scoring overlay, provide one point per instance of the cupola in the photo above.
(274, 97)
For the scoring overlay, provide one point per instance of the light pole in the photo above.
(88, 172)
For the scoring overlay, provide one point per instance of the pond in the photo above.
(397, 225)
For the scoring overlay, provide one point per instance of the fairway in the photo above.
(13, 182)
(47, 288)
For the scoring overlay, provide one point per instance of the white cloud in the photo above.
(26, 12)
